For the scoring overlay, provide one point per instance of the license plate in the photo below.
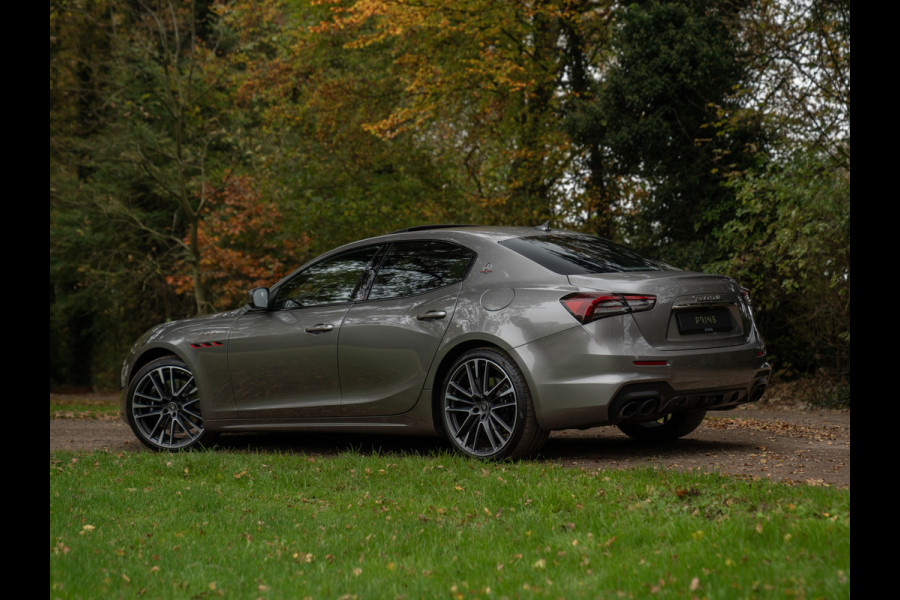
(707, 320)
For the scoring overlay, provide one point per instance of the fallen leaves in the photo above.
(816, 432)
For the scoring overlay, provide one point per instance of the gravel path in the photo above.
(780, 444)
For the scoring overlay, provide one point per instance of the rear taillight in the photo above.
(590, 306)
(745, 294)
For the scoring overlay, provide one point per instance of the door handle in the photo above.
(320, 328)
(432, 315)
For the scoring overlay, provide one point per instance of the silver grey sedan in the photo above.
(490, 336)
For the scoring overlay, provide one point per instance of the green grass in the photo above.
(248, 525)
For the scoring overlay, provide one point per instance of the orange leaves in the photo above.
(449, 55)
(401, 119)
(240, 244)
(375, 20)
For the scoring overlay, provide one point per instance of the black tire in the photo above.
(671, 427)
(163, 406)
(486, 407)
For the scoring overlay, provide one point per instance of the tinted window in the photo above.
(582, 254)
(416, 267)
(330, 281)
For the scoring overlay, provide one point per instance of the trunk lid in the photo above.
(692, 310)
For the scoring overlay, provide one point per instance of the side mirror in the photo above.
(259, 297)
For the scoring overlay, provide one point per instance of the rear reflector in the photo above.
(587, 307)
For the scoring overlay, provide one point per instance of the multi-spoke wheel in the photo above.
(486, 407)
(671, 427)
(163, 406)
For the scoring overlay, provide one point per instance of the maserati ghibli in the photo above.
(490, 336)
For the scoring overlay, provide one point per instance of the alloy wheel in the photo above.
(480, 407)
(165, 408)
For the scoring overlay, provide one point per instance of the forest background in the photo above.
(199, 148)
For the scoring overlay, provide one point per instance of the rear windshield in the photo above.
(582, 254)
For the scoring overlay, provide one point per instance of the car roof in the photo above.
(475, 236)
(479, 238)
(450, 231)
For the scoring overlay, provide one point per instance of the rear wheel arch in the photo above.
(443, 369)
(489, 413)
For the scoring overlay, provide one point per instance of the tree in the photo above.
(105, 282)
(134, 118)
(657, 119)
(183, 129)
(799, 66)
(168, 74)
(240, 245)
(789, 243)
(789, 240)
(307, 98)
(481, 86)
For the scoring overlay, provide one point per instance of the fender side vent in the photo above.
(202, 345)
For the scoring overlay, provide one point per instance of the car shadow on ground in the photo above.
(579, 447)
(325, 444)
(623, 449)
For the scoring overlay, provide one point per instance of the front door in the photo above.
(283, 361)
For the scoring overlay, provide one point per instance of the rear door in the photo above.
(388, 341)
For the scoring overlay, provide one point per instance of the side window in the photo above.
(330, 281)
(411, 268)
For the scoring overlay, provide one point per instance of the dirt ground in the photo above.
(782, 443)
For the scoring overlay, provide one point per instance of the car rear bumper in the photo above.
(579, 382)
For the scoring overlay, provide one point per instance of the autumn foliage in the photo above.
(241, 246)
(199, 148)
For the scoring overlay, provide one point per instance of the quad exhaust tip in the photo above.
(648, 403)
(639, 408)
